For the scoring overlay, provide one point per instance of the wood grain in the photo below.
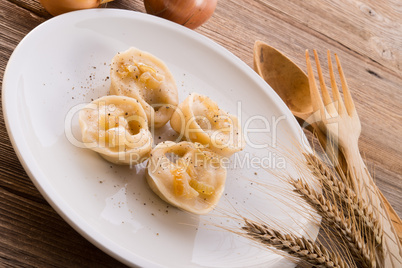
(367, 36)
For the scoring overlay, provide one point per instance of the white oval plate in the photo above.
(64, 63)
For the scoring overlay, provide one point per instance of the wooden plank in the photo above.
(367, 37)
(371, 28)
(33, 6)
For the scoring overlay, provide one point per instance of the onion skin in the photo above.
(189, 13)
(57, 7)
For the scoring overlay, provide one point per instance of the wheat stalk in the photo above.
(334, 217)
(345, 216)
(313, 253)
(347, 196)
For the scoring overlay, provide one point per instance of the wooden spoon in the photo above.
(291, 84)
(285, 77)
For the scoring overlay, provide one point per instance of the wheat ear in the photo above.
(336, 218)
(347, 197)
(313, 253)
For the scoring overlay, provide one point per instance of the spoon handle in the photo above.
(396, 221)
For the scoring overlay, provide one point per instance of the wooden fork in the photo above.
(341, 122)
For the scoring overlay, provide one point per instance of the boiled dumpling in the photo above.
(117, 128)
(186, 175)
(141, 75)
(199, 119)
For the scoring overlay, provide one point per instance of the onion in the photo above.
(190, 13)
(57, 7)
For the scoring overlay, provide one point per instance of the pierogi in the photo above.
(141, 75)
(117, 128)
(186, 175)
(199, 119)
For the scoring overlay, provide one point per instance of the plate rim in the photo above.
(34, 172)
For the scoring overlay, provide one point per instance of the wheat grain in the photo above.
(300, 248)
(336, 218)
(363, 212)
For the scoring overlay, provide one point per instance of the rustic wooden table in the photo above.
(367, 35)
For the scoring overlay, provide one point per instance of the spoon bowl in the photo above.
(285, 77)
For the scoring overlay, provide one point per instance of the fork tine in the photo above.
(349, 104)
(315, 95)
(324, 91)
(335, 90)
